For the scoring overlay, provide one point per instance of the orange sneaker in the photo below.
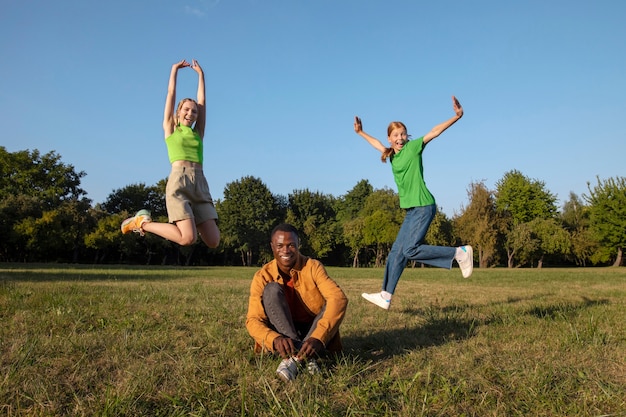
(134, 224)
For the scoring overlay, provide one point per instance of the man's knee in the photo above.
(272, 292)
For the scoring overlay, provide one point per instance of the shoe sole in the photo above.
(384, 307)
(124, 223)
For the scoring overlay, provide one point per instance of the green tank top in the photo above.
(184, 144)
(408, 173)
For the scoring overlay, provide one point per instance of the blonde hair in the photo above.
(388, 152)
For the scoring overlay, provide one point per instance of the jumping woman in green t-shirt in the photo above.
(189, 204)
(419, 203)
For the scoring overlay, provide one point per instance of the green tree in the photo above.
(521, 245)
(382, 218)
(57, 234)
(105, 239)
(14, 209)
(314, 215)
(354, 238)
(43, 177)
(479, 223)
(550, 238)
(247, 215)
(520, 200)
(42, 207)
(349, 208)
(575, 219)
(523, 198)
(350, 205)
(607, 206)
(441, 231)
(135, 197)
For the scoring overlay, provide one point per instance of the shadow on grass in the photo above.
(388, 343)
(440, 325)
(449, 324)
(559, 310)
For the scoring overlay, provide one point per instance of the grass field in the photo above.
(125, 341)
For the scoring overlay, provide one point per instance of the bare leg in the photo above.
(182, 232)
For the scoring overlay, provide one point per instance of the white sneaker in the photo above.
(288, 369)
(377, 299)
(466, 260)
(312, 367)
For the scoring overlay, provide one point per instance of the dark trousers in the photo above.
(277, 311)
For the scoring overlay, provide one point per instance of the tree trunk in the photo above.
(379, 258)
(618, 259)
(482, 261)
(509, 256)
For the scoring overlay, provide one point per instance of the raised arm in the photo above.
(200, 99)
(358, 128)
(169, 118)
(439, 129)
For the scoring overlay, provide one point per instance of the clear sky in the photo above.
(542, 83)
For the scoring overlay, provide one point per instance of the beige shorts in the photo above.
(187, 196)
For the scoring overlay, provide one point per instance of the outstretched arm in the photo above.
(169, 122)
(200, 99)
(438, 130)
(358, 128)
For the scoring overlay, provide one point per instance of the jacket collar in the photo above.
(297, 268)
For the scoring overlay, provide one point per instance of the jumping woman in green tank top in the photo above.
(189, 204)
(419, 205)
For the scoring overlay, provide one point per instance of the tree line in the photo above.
(45, 216)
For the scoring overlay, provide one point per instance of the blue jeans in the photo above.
(409, 246)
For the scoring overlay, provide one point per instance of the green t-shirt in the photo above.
(184, 144)
(408, 174)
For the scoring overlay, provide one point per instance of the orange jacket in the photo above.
(315, 288)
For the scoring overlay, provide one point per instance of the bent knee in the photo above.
(271, 290)
(187, 241)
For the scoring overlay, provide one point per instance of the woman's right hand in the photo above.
(181, 64)
(358, 126)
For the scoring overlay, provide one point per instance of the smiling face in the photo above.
(187, 112)
(285, 249)
(397, 136)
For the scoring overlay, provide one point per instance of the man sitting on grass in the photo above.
(295, 308)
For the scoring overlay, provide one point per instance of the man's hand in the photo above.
(310, 348)
(284, 346)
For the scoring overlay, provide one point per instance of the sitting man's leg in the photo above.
(277, 310)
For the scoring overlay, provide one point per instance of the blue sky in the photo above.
(543, 85)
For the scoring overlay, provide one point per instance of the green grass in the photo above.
(124, 341)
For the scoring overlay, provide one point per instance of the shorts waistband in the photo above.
(182, 170)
